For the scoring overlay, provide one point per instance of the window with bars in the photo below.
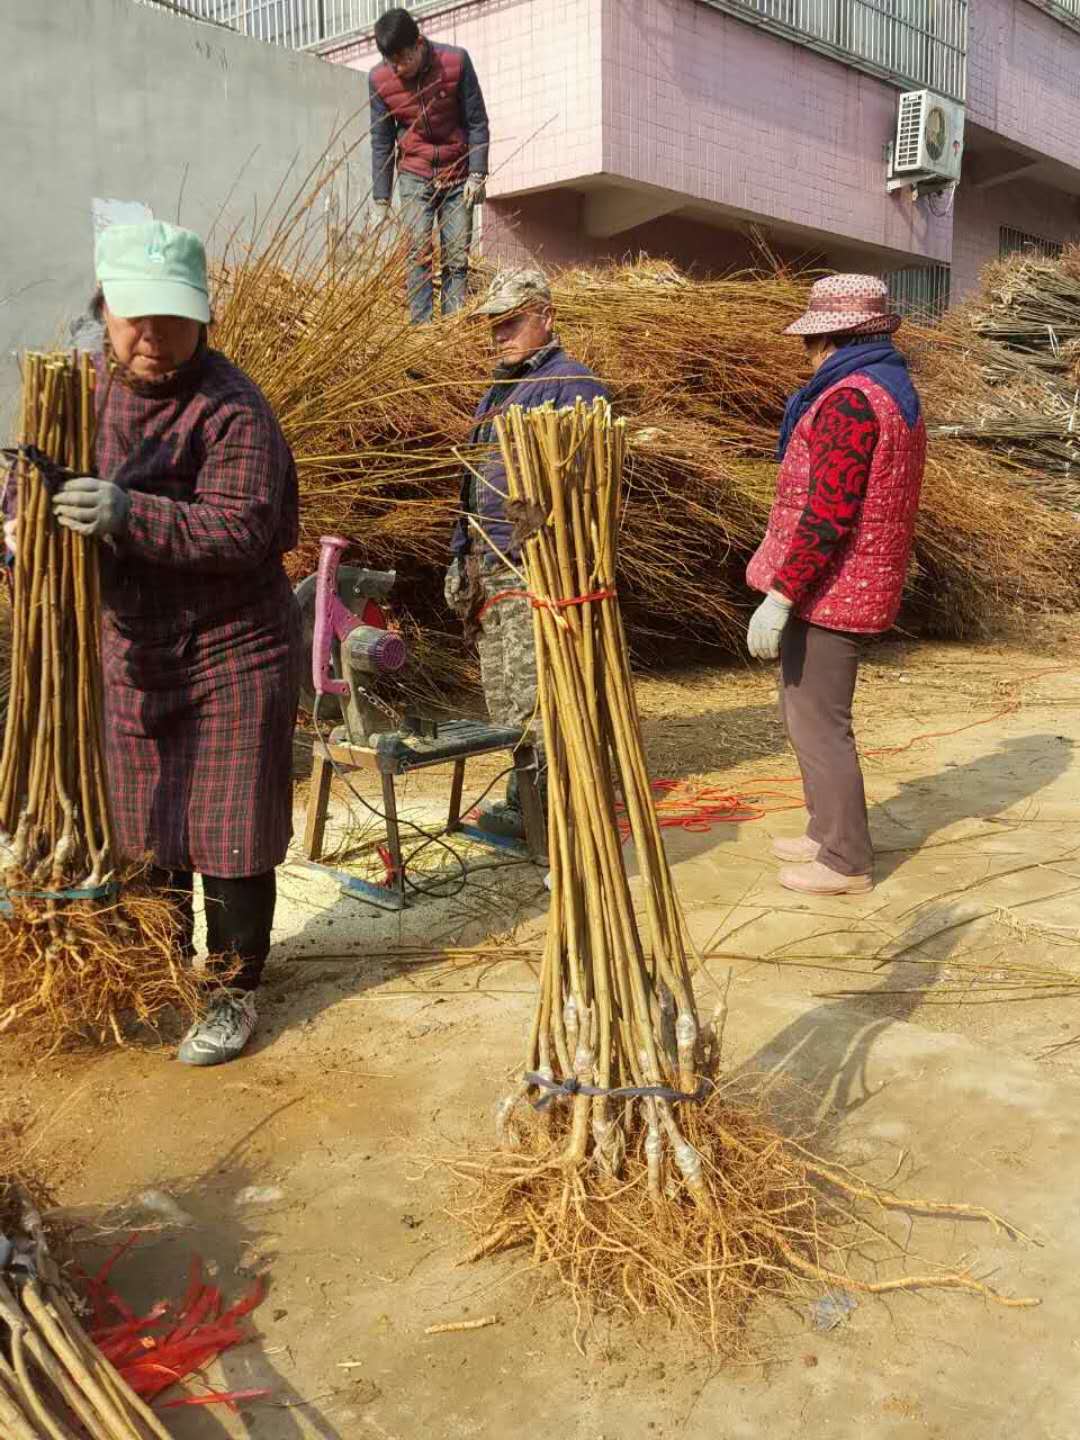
(922, 44)
(920, 291)
(1018, 242)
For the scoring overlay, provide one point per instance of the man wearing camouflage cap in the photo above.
(531, 369)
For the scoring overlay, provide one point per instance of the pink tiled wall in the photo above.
(980, 214)
(539, 65)
(548, 230)
(675, 94)
(707, 105)
(1024, 77)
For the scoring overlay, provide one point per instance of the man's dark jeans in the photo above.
(425, 204)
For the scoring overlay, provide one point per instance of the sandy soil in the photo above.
(370, 1064)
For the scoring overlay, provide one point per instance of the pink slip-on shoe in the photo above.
(796, 852)
(817, 879)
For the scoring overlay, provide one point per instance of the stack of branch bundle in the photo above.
(642, 1184)
(81, 945)
(1005, 371)
(378, 415)
(55, 1384)
(1031, 307)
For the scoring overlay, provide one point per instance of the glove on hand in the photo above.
(92, 507)
(767, 625)
(475, 190)
(455, 584)
(11, 529)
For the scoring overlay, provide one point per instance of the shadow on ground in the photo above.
(240, 1240)
(979, 789)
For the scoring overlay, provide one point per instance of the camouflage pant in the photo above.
(508, 657)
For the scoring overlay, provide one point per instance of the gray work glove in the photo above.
(456, 584)
(475, 189)
(767, 625)
(92, 507)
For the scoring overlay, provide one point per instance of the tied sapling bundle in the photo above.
(79, 947)
(642, 1183)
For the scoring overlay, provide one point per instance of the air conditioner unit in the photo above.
(929, 142)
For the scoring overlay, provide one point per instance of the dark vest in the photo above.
(431, 140)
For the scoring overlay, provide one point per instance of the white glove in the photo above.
(767, 625)
(475, 189)
(90, 506)
(11, 529)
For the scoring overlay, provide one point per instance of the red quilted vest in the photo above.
(431, 139)
(861, 588)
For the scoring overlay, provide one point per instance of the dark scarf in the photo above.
(878, 358)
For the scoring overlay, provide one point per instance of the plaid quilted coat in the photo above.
(201, 642)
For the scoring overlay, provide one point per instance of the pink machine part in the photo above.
(377, 649)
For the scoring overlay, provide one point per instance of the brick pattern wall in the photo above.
(1024, 77)
(539, 66)
(980, 214)
(675, 94)
(547, 230)
(701, 103)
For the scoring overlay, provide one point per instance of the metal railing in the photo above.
(1067, 11)
(295, 23)
(917, 43)
(920, 44)
(921, 292)
(1019, 242)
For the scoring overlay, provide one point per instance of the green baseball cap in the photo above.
(153, 269)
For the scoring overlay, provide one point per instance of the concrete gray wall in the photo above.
(112, 99)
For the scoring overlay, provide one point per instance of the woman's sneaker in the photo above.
(223, 1032)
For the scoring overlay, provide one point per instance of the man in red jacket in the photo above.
(428, 119)
(834, 560)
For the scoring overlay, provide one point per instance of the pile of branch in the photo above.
(1031, 307)
(642, 1184)
(1014, 385)
(378, 416)
(82, 946)
(55, 1384)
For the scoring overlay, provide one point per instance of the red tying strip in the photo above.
(539, 603)
(183, 1338)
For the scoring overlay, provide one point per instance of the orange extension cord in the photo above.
(681, 807)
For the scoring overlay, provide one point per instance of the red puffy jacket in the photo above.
(434, 126)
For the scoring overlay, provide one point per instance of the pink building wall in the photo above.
(539, 65)
(1024, 77)
(677, 101)
(673, 94)
(1020, 205)
(710, 106)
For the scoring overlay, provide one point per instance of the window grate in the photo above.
(1018, 242)
(920, 292)
(919, 44)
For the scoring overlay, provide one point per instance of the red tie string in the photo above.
(539, 603)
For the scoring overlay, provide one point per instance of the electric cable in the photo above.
(437, 889)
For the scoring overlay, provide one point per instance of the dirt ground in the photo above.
(313, 1159)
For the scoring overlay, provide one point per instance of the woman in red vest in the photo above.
(834, 560)
(428, 121)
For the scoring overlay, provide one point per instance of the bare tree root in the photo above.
(782, 1222)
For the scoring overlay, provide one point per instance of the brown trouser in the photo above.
(818, 669)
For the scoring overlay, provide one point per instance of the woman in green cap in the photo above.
(196, 497)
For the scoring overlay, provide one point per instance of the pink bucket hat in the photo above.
(847, 305)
